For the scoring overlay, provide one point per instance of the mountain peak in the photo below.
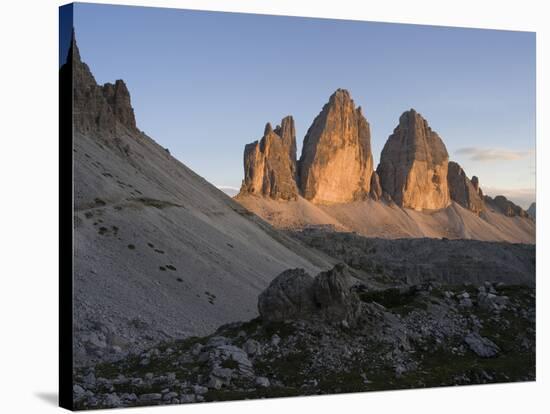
(270, 163)
(336, 163)
(103, 110)
(414, 164)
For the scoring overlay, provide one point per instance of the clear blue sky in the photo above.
(204, 84)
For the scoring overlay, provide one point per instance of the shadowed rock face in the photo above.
(532, 211)
(270, 163)
(103, 110)
(465, 192)
(375, 187)
(505, 206)
(336, 162)
(413, 165)
(294, 294)
(118, 98)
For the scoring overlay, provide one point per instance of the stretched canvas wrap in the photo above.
(267, 206)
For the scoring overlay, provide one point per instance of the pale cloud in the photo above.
(492, 154)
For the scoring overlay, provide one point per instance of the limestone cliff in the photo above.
(336, 162)
(270, 163)
(103, 110)
(413, 165)
(463, 191)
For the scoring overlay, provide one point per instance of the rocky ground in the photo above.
(412, 261)
(332, 334)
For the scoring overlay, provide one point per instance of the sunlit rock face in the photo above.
(413, 165)
(464, 191)
(270, 163)
(336, 163)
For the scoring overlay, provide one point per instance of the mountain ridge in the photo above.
(159, 252)
(414, 174)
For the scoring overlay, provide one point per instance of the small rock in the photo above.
(481, 346)
(224, 374)
(199, 389)
(89, 380)
(217, 341)
(196, 349)
(275, 340)
(215, 383)
(169, 396)
(112, 400)
(78, 392)
(262, 382)
(251, 347)
(187, 398)
(155, 396)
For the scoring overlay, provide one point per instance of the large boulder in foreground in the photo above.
(270, 163)
(295, 295)
(333, 295)
(413, 165)
(289, 296)
(336, 162)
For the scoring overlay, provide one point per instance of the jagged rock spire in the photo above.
(105, 111)
(413, 165)
(270, 163)
(463, 191)
(336, 162)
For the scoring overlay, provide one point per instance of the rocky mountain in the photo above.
(99, 109)
(413, 165)
(464, 191)
(415, 191)
(336, 163)
(270, 163)
(504, 206)
(532, 211)
(167, 266)
(159, 252)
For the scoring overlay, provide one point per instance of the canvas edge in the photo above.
(65, 219)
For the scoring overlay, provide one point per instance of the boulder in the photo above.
(336, 162)
(288, 296)
(294, 295)
(481, 346)
(413, 165)
(333, 295)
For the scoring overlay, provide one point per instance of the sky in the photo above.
(203, 84)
